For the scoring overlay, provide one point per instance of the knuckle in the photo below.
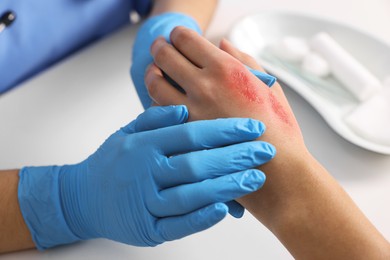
(206, 89)
(228, 70)
(182, 35)
(126, 145)
(134, 142)
(222, 65)
(152, 86)
(220, 194)
(232, 179)
(235, 160)
(190, 135)
(162, 53)
(190, 167)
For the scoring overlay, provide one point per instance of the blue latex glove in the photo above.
(267, 79)
(154, 180)
(154, 27)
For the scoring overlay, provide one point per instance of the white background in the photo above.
(64, 114)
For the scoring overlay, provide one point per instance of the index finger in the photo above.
(194, 46)
(204, 134)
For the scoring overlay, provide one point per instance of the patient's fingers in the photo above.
(248, 60)
(160, 90)
(194, 47)
(173, 63)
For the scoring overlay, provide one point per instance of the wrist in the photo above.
(40, 204)
(72, 192)
(287, 179)
(306, 202)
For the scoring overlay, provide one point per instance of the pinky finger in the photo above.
(246, 59)
(235, 209)
(172, 228)
(160, 90)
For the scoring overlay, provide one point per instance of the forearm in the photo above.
(312, 215)
(200, 10)
(300, 202)
(14, 234)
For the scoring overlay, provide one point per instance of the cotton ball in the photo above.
(315, 65)
(290, 48)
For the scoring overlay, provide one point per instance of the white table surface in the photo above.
(65, 113)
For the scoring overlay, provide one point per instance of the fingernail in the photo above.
(222, 42)
(227, 42)
(156, 45)
(148, 67)
(148, 77)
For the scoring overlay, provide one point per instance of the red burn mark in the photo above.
(278, 108)
(243, 84)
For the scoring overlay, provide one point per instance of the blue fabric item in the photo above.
(267, 79)
(46, 31)
(154, 27)
(154, 180)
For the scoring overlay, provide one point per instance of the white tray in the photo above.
(254, 33)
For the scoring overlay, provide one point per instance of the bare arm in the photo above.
(312, 215)
(305, 207)
(300, 202)
(200, 10)
(14, 234)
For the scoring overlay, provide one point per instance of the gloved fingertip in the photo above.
(220, 210)
(271, 150)
(237, 213)
(235, 209)
(184, 113)
(267, 79)
(256, 127)
(209, 216)
(253, 180)
(262, 127)
(263, 151)
(179, 112)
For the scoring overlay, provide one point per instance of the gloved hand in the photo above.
(154, 27)
(161, 26)
(267, 79)
(154, 180)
